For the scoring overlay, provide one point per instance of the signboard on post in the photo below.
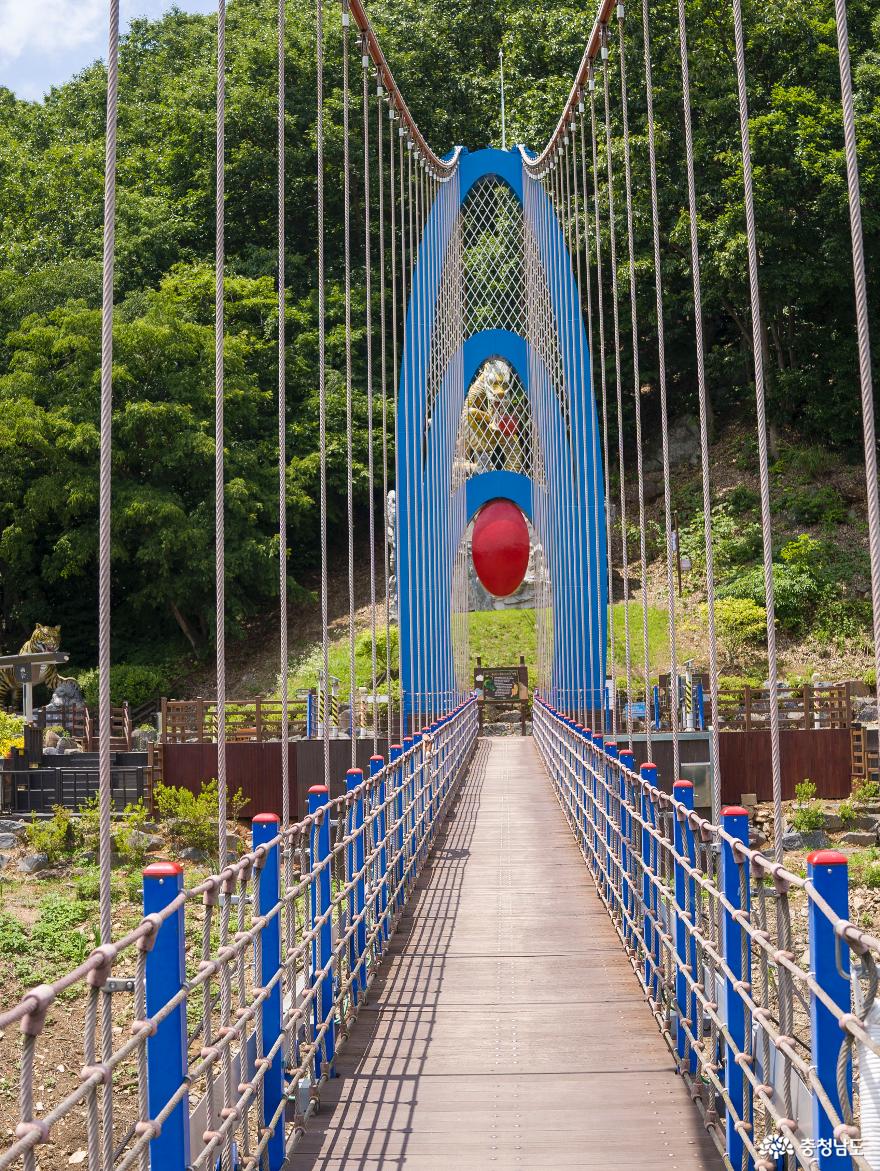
(503, 687)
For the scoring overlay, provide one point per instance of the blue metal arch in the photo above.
(567, 511)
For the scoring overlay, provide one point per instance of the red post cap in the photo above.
(681, 784)
(163, 870)
(399, 746)
(266, 818)
(734, 811)
(610, 743)
(376, 756)
(319, 789)
(355, 772)
(647, 764)
(827, 858)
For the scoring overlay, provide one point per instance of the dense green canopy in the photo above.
(446, 59)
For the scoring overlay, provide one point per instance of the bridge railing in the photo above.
(210, 1028)
(764, 988)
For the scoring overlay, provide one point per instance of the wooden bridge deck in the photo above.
(507, 1028)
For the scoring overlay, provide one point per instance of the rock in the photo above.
(8, 841)
(193, 854)
(4, 861)
(859, 837)
(32, 863)
(832, 822)
(684, 442)
(757, 837)
(12, 827)
(143, 841)
(813, 840)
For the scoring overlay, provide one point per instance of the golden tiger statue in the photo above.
(44, 638)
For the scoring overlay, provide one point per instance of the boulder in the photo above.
(8, 841)
(193, 854)
(815, 839)
(684, 442)
(4, 861)
(832, 822)
(858, 837)
(7, 826)
(757, 837)
(143, 841)
(33, 863)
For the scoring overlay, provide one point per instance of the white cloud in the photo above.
(44, 42)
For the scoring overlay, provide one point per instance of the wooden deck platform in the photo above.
(507, 1029)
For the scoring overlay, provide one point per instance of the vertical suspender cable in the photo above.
(282, 436)
(322, 393)
(219, 518)
(701, 388)
(637, 390)
(104, 521)
(763, 472)
(392, 151)
(600, 300)
(383, 370)
(368, 291)
(349, 425)
(612, 244)
(864, 340)
(664, 415)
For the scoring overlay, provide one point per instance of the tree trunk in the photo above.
(184, 626)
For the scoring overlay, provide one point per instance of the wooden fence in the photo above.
(194, 721)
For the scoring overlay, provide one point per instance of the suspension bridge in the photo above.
(528, 952)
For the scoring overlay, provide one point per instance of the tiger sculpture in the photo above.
(44, 638)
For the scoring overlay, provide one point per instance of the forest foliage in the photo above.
(446, 60)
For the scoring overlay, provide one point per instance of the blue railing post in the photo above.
(397, 785)
(377, 763)
(628, 762)
(656, 698)
(598, 832)
(682, 791)
(167, 1065)
(311, 722)
(735, 822)
(829, 966)
(264, 829)
(648, 773)
(610, 824)
(322, 945)
(357, 943)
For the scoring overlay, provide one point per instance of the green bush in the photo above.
(129, 833)
(864, 791)
(56, 933)
(821, 505)
(864, 868)
(742, 499)
(129, 683)
(806, 815)
(847, 812)
(795, 593)
(54, 836)
(734, 542)
(740, 624)
(805, 553)
(192, 818)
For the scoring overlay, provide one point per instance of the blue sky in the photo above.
(45, 42)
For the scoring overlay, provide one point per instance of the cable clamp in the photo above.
(620, 11)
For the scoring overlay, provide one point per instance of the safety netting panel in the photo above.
(492, 246)
(497, 428)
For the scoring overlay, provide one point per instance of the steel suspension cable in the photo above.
(105, 508)
(383, 368)
(322, 393)
(637, 390)
(600, 300)
(615, 294)
(349, 423)
(220, 555)
(703, 402)
(368, 291)
(862, 328)
(282, 443)
(664, 412)
(763, 470)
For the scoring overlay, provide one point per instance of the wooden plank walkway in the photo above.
(507, 1029)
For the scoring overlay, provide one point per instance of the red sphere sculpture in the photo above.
(500, 547)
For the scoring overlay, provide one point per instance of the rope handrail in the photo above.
(659, 868)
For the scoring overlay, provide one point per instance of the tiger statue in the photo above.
(44, 638)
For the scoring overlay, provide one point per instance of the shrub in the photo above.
(806, 815)
(192, 818)
(795, 593)
(814, 505)
(53, 836)
(740, 624)
(87, 885)
(864, 868)
(847, 812)
(129, 835)
(11, 733)
(129, 683)
(804, 553)
(742, 499)
(864, 791)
